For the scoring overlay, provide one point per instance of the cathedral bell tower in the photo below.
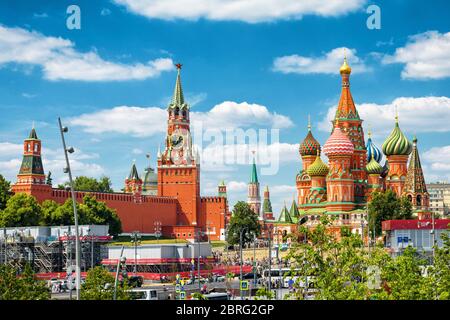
(178, 165)
(347, 118)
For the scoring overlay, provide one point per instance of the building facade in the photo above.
(439, 198)
(172, 201)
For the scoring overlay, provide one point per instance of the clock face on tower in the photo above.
(178, 142)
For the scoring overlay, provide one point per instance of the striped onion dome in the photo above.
(309, 145)
(318, 168)
(338, 144)
(372, 149)
(373, 167)
(397, 143)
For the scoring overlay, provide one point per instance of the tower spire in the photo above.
(309, 122)
(178, 96)
(415, 186)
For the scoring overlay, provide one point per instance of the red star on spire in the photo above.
(178, 65)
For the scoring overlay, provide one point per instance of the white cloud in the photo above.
(142, 122)
(237, 186)
(436, 163)
(8, 149)
(251, 11)
(422, 114)
(60, 61)
(328, 63)
(425, 56)
(230, 114)
(137, 121)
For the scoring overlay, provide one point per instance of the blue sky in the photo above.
(248, 64)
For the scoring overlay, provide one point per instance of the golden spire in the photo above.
(345, 68)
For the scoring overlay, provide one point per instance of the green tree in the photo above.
(97, 212)
(243, 216)
(48, 208)
(99, 285)
(21, 210)
(387, 206)
(439, 272)
(5, 192)
(21, 287)
(90, 211)
(83, 183)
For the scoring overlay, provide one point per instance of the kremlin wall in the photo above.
(170, 199)
(341, 187)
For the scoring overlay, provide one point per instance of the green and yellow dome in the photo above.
(373, 167)
(318, 168)
(397, 144)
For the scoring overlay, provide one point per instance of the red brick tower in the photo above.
(133, 184)
(178, 166)
(253, 196)
(348, 118)
(31, 177)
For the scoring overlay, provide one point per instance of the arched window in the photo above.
(177, 111)
(28, 147)
(419, 200)
(184, 113)
(409, 198)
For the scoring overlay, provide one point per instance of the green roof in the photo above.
(133, 173)
(293, 212)
(254, 176)
(178, 97)
(33, 135)
(285, 217)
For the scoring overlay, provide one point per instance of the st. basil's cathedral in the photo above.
(343, 187)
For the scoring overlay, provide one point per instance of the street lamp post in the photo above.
(241, 233)
(74, 203)
(433, 236)
(135, 238)
(254, 258)
(121, 260)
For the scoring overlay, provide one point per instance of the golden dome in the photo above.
(345, 68)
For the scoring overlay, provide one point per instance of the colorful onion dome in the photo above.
(397, 143)
(345, 68)
(338, 143)
(318, 168)
(309, 145)
(372, 149)
(373, 167)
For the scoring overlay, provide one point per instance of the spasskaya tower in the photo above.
(178, 164)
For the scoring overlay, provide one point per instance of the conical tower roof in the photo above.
(178, 97)
(254, 174)
(293, 212)
(415, 181)
(33, 135)
(133, 173)
(346, 107)
(285, 217)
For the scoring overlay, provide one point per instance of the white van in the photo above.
(148, 294)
